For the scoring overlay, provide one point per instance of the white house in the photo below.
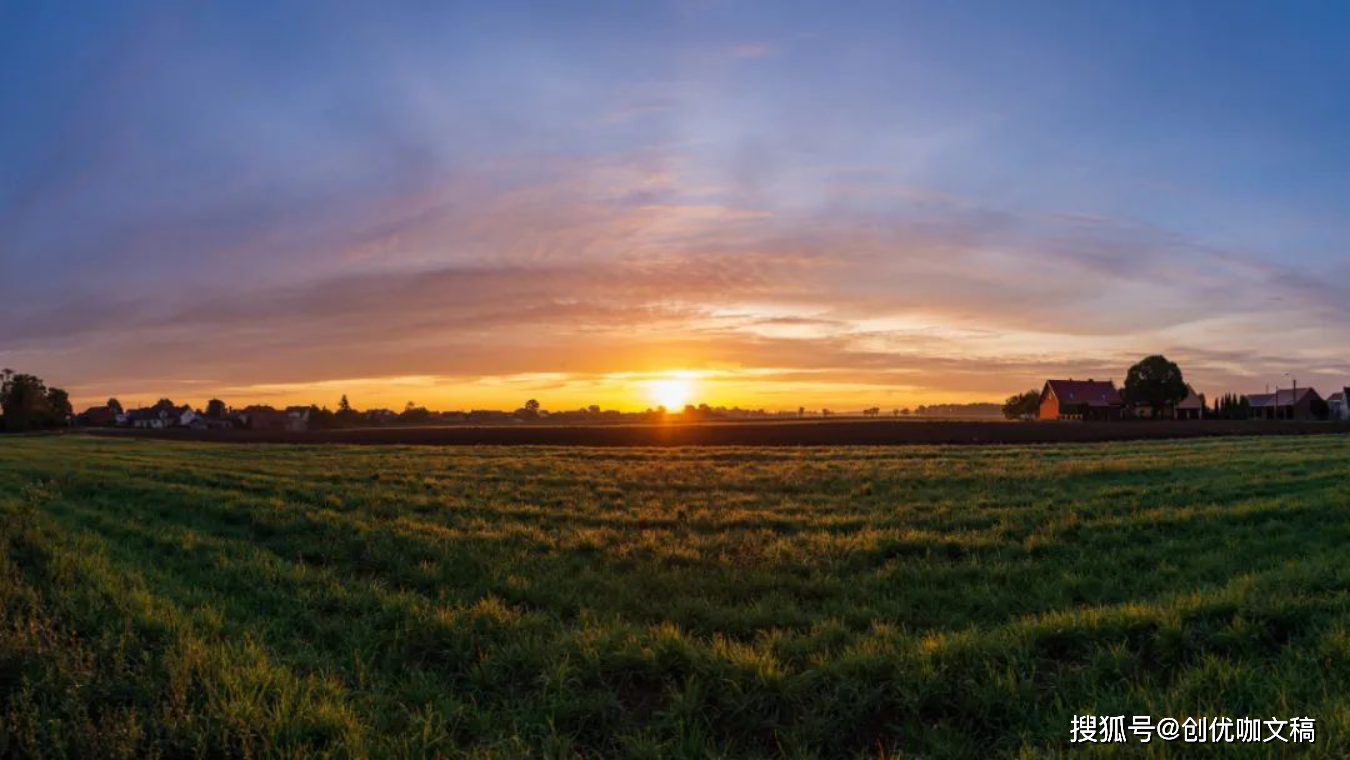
(1339, 404)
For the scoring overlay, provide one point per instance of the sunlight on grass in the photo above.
(309, 601)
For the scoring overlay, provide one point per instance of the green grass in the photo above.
(164, 599)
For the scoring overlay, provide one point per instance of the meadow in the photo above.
(179, 599)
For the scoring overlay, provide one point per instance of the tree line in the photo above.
(26, 403)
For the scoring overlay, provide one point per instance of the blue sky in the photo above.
(890, 203)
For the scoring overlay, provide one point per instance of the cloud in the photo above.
(596, 269)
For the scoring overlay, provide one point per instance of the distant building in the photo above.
(297, 418)
(262, 418)
(145, 418)
(1190, 408)
(1285, 404)
(162, 415)
(1080, 400)
(1339, 404)
(97, 416)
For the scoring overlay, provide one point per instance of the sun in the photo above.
(672, 393)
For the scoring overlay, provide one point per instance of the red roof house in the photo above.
(1080, 400)
(98, 416)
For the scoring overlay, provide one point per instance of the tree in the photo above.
(115, 406)
(26, 403)
(1024, 404)
(1155, 382)
(321, 418)
(58, 406)
(346, 415)
(531, 408)
(215, 408)
(413, 413)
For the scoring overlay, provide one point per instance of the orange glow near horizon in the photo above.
(630, 391)
(672, 393)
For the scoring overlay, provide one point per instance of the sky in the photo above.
(765, 204)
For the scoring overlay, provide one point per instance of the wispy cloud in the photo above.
(579, 278)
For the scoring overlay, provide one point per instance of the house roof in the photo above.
(1090, 392)
(1282, 397)
(99, 414)
(1192, 400)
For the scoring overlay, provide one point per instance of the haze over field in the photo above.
(733, 203)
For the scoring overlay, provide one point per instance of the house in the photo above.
(145, 418)
(162, 415)
(297, 418)
(1190, 408)
(262, 418)
(1286, 404)
(202, 422)
(1338, 406)
(1080, 400)
(97, 416)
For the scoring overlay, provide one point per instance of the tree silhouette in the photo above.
(414, 413)
(26, 403)
(1155, 382)
(1022, 405)
(58, 405)
(215, 408)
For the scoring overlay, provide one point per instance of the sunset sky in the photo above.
(471, 204)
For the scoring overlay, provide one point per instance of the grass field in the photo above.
(176, 599)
